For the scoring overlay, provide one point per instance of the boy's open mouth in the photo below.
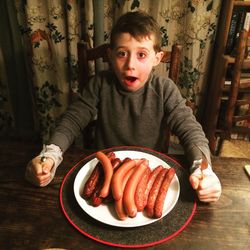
(129, 80)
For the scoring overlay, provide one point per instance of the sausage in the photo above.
(120, 211)
(150, 183)
(126, 159)
(116, 183)
(163, 192)
(96, 199)
(108, 173)
(154, 192)
(140, 190)
(116, 162)
(129, 190)
(119, 203)
(92, 181)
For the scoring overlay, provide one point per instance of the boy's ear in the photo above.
(158, 57)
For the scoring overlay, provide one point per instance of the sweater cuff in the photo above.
(197, 164)
(54, 152)
(198, 152)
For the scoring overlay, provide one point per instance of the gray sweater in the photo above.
(132, 118)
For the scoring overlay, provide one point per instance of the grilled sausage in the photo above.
(159, 203)
(92, 181)
(154, 192)
(116, 162)
(140, 190)
(150, 183)
(96, 199)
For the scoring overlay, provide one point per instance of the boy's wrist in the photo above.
(52, 151)
(197, 164)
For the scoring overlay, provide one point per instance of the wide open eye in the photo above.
(141, 55)
(122, 53)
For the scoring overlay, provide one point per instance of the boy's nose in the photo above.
(131, 62)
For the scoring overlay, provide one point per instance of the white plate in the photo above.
(106, 213)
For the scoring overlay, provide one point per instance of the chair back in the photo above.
(85, 56)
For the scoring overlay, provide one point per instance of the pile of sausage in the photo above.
(130, 184)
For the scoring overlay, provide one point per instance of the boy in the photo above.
(133, 106)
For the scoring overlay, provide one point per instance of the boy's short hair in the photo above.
(139, 25)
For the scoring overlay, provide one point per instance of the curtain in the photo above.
(38, 55)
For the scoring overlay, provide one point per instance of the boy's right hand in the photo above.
(40, 173)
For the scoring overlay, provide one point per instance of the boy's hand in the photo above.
(41, 170)
(40, 173)
(207, 184)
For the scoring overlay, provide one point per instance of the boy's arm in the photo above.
(41, 170)
(77, 116)
(183, 123)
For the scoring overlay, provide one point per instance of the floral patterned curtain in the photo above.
(50, 30)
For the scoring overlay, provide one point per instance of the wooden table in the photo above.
(31, 218)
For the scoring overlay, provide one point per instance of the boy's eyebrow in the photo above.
(124, 47)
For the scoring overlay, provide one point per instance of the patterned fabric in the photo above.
(51, 29)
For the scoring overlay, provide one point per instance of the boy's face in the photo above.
(133, 60)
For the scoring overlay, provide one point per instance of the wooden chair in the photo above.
(238, 93)
(86, 54)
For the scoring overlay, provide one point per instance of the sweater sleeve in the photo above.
(77, 116)
(184, 125)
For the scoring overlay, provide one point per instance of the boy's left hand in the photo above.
(207, 184)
